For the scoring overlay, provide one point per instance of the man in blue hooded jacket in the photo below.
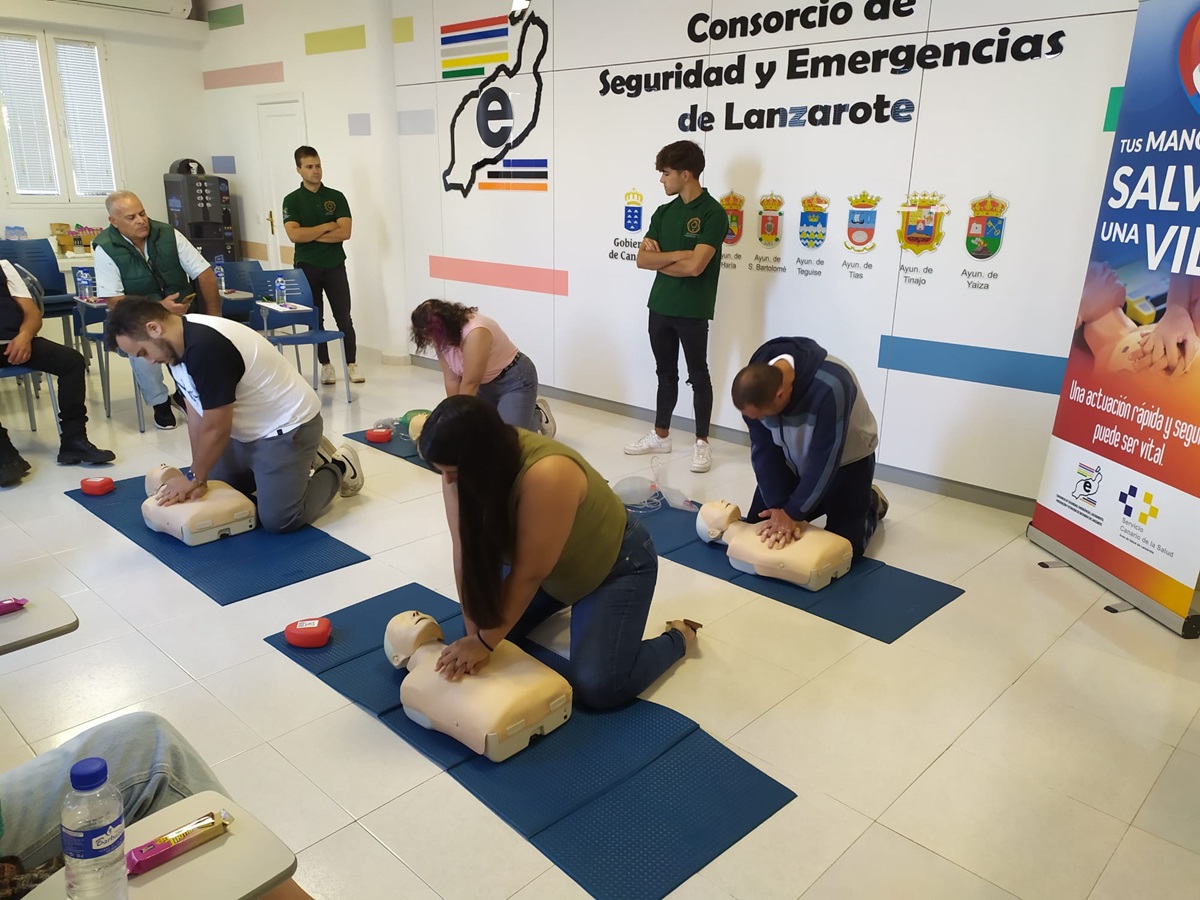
(812, 443)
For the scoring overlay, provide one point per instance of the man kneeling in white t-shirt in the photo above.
(253, 421)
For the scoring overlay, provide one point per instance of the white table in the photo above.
(248, 860)
(66, 263)
(45, 616)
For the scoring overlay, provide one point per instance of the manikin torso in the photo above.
(811, 561)
(494, 712)
(221, 512)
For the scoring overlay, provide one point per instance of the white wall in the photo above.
(153, 86)
(332, 86)
(1030, 132)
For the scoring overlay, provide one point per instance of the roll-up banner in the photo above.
(1120, 493)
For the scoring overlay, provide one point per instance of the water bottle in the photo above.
(83, 286)
(219, 271)
(93, 834)
(280, 289)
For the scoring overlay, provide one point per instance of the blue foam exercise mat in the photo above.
(614, 742)
(230, 569)
(619, 786)
(884, 603)
(873, 598)
(691, 804)
(399, 446)
(359, 628)
(671, 528)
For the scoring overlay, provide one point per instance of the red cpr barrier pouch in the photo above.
(308, 633)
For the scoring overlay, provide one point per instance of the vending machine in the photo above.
(198, 206)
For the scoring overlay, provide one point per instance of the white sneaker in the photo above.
(354, 374)
(701, 457)
(545, 418)
(326, 453)
(352, 478)
(649, 443)
(327, 376)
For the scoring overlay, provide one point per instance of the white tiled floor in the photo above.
(1022, 742)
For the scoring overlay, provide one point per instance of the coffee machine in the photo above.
(198, 206)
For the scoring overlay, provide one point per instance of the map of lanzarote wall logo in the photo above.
(488, 116)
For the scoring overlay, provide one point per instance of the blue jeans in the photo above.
(150, 381)
(610, 663)
(514, 394)
(148, 761)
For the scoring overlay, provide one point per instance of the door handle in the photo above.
(271, 220)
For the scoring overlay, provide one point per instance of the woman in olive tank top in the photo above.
(520, 499)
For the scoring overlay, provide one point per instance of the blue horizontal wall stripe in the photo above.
(475, 36)
(526, 163)
(983, 365)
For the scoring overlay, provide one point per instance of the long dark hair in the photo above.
(437, 322)
(468, 433)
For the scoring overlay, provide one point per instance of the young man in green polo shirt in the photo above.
(317, 220)
(683, 247)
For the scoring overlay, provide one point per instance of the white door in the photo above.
(281, 130)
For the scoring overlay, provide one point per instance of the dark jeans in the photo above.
(610, 663)
(514, 393)
(334, 283)
(849, 505)
(55, 359)
(667, 333)
(276, 468)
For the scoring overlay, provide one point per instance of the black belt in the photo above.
(516, 359)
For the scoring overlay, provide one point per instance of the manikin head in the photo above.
(405, 633)
(714, 518)
(416, 425)
(128, 216)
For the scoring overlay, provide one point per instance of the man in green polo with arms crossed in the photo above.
(683, 247)
(317, 221)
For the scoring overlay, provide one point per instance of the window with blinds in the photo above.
(85, 117)
(27, 116)
(55, 129)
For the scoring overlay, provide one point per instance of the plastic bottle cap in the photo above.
(89, 774)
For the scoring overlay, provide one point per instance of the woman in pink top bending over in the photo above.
(479, 359)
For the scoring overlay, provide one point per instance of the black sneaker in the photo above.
(163, 417)
(76, 450)
(12, 470)
(177, 399)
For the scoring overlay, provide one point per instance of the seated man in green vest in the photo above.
(139, 256)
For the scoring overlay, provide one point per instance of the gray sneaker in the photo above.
(545, 418)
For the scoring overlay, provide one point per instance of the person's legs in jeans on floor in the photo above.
(514, 394)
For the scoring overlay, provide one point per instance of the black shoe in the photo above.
(76, 450)
(163, 417)
(12, 470)
(177, 399)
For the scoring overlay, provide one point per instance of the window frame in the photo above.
(63, 161)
